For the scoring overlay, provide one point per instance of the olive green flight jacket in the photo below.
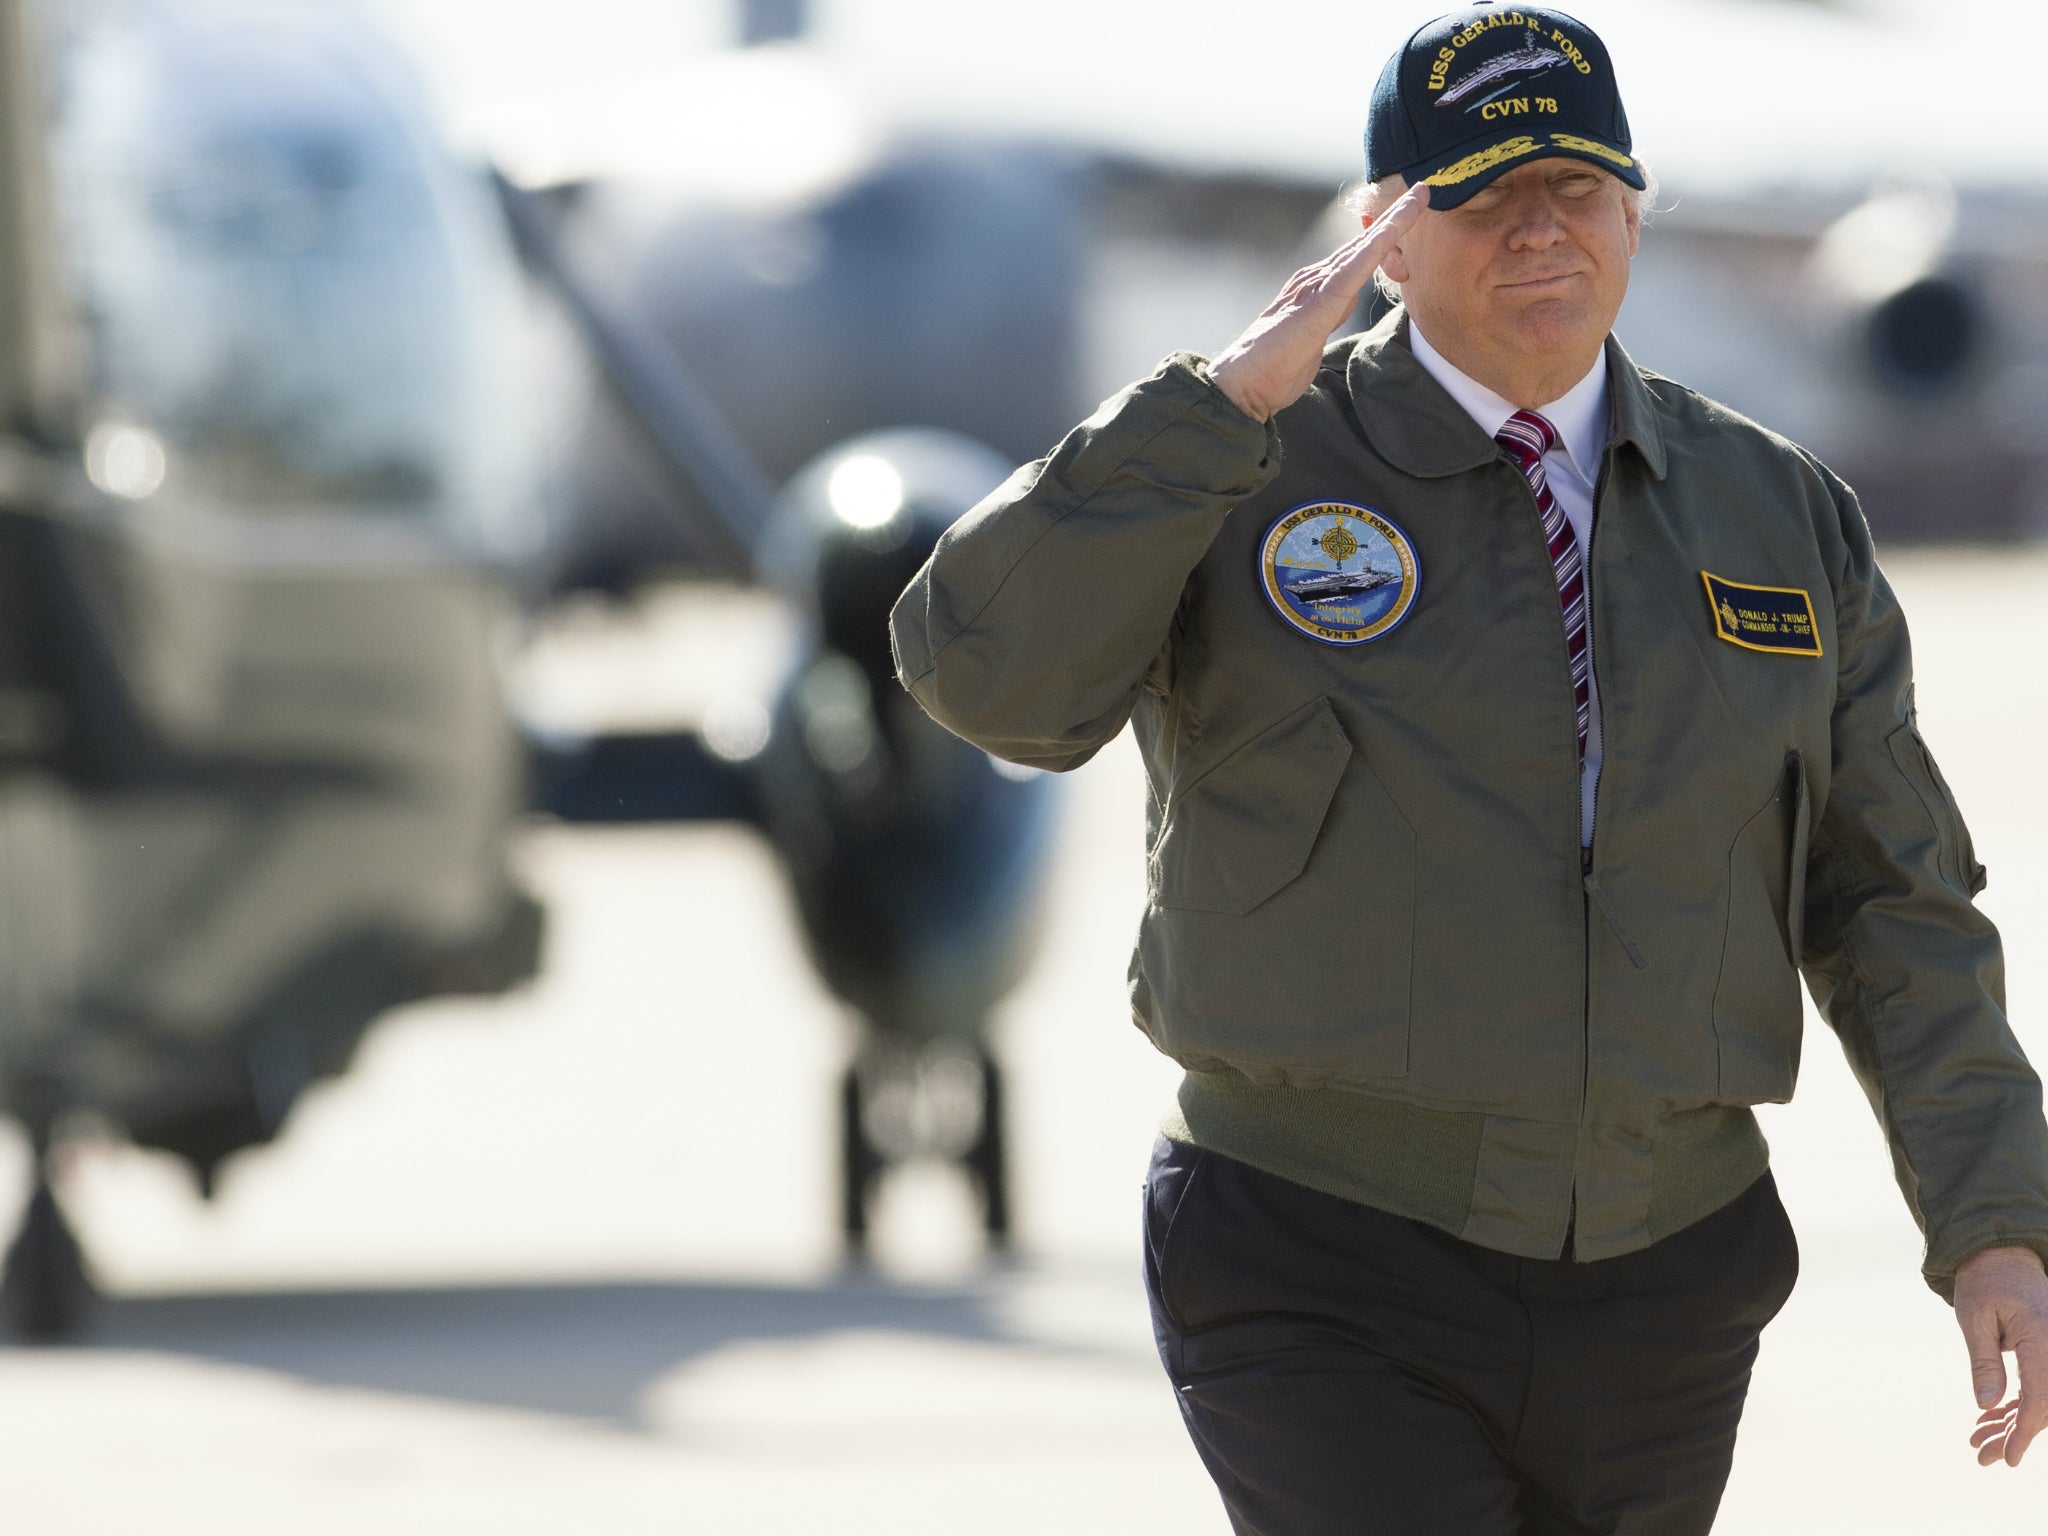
(1365, 876)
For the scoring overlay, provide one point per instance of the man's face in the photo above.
(1532, 268)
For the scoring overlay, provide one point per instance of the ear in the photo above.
(1395, 264)
(1632, 216)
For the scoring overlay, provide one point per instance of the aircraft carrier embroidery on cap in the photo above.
(1509, 68)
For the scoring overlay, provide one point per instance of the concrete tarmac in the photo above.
(564, 1262)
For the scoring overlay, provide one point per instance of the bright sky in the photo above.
(1719, 91)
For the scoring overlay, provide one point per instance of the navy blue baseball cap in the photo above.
(1473, 94)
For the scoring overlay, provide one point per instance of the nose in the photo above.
(1536, 225)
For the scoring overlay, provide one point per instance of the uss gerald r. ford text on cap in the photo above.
(1473, 94)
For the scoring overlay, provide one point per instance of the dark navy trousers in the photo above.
(1346, 1372)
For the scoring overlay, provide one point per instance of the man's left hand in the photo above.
(2002, 1307)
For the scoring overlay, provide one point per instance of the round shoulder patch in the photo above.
(1338, 572)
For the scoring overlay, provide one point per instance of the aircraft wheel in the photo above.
(859, 1166)
(988, 1159)
(46, 1287)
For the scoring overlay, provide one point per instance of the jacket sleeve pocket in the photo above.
(1956, 859)
(1245, 829)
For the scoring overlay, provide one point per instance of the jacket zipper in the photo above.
(1589, 877)
(1588, 841)
(1587, 873)
(1595, 650)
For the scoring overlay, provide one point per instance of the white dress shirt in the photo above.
(1571, 468)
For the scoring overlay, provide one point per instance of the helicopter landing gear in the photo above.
(987, 1159)
(860, 1166)
(901, 1102)
(46, 1289)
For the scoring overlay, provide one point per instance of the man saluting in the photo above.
(1519, 727)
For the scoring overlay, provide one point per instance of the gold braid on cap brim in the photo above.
(1514, 149)
(1485, 160)
(1589, 147)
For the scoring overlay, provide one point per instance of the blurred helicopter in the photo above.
(275, 476)
(257, 780)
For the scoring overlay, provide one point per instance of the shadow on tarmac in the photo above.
(586, 1351)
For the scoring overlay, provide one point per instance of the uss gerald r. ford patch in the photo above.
(1338, 572)
(1763, 618)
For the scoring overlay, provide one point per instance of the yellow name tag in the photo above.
(1763, 618)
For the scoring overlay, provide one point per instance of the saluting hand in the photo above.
(2002, 1306)
(1276, 358)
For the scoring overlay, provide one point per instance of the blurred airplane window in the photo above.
(266, 260)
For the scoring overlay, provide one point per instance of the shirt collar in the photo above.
(1579, 414)
(1413, 423)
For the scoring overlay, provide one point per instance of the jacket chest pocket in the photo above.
(1757, 1014)
(1247, 827)
(1281, 934)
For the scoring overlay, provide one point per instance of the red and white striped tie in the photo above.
(1527, 437)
